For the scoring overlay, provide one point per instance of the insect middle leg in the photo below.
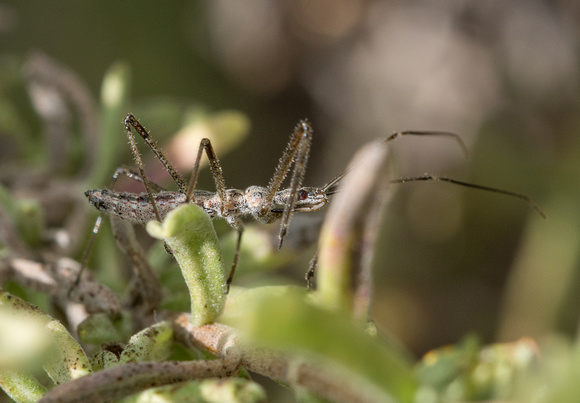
(220, 185)
(296, 153)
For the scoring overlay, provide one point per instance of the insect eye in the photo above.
(302, 195)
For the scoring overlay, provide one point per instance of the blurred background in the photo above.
(503, 75)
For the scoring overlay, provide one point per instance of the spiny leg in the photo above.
(131, 121)
(298, 173)
(521, 196)
(296, 153)
(139, 163)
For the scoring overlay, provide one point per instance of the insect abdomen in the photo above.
(134, 207)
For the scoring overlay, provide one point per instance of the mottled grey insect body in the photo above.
(138, 207)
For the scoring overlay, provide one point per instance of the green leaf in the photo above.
(150, 344)
(283, 318)
(66, 359)
(98, 329)
(189, 233)
(21, 387)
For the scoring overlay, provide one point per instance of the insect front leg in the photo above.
(300, 160)
(296, 153)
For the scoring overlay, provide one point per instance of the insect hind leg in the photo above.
(120, 171)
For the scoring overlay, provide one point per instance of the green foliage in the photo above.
(64, 359)
(289, 320)
(268, 324)
(189, 233)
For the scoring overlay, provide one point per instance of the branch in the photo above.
(224, 341)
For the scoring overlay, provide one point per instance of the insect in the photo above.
(263, 204)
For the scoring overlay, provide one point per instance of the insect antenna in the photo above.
(521, 196)
(332, 187)
(456, 137)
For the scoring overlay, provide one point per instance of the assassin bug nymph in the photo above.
(264, 204)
